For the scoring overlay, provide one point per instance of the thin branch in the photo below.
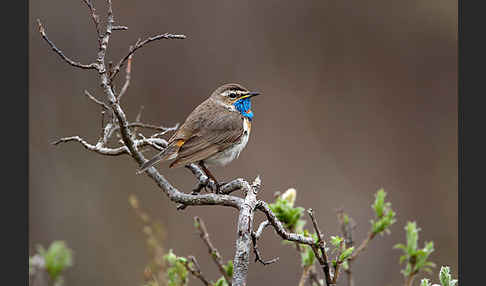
(99, 102)
(322, 257)
(362, 246)
(146, 126)
(128, 71)
(203, 233)
(105, 150)
(279, 228)
(196, 270)
(254, 237)
(95, 18)
(139, 45)
(42, 31)
(347, 231)
(261, 228)
(120, 28)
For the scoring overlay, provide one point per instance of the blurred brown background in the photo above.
(358, 95)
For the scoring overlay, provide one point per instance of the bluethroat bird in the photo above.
(214, 133)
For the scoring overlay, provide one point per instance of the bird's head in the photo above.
(236, 97)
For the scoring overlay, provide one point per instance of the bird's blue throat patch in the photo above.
(244, 107)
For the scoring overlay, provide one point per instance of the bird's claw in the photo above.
(208, 184)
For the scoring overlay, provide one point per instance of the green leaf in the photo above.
(177, 274)
(412, 231)
(415, 258)
(336, 241)
(221, 282)
(400, 246)
(229, 268)
(286, 213)
(445, 277)
(425, 282)
(345, 219)
(379, 203)
(346, 253)
(307, 256)
(345, 265)
(384, 215)
(57, 258)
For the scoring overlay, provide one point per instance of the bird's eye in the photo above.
(232, 95)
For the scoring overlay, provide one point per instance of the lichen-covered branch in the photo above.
(244, 231)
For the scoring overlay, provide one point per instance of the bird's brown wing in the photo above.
(212, 135)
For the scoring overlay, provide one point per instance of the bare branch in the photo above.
(120, 28)
(261, 228)
(99, 102)
(138, 45)
(95, 18)
(322, 257)
(98, 148)
(127, 77)
(255, 236)
(42, 31)
(362, 246)
(347, 230)
(203, 233)
(149, 126)
(279, 228)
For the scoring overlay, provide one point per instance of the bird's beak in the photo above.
(250, 94)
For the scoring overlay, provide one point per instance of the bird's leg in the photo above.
(208, 173)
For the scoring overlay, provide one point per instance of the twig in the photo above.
(203, 233)
(322, 257)
(127, 77)
(120, 28)
(196, 271)
(99, 102)
(105, 150)
(42, 31)
(409, 279)
(138, 45)
(347, 231)
(254, 237)
(146, 126)
(362, 246)
(96, 19)
(279, 228)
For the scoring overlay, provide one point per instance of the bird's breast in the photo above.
(229, 154)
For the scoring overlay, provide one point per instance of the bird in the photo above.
(214, 133)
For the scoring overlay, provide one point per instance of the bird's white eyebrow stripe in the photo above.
(237, 91)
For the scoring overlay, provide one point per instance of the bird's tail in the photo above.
(166, 154)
